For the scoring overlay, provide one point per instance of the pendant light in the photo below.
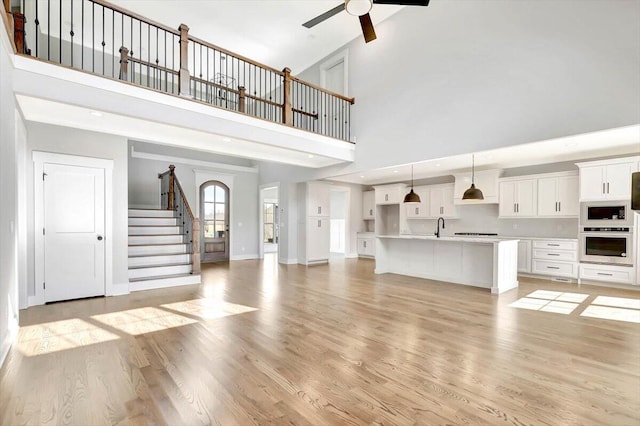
(473, 193)
(412, 197)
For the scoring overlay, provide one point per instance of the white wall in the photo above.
(9, 119)
(64, 140)
(466, 75)
(143, 189)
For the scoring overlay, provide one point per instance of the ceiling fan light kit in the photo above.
(358, 7)
(361, 8)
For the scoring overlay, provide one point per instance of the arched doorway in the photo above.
(214, 229)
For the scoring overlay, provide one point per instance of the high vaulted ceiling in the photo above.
(267, 31)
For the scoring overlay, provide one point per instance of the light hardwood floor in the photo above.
(261, 343)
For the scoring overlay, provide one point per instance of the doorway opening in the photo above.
(339, 223)
(270, 219)
(214, 229)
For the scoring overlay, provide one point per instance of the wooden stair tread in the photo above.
(165, 265)
(158, 254)
(159, 277)
(158, 244)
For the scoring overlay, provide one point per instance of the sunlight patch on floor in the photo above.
(617, 302)
(555, 306)
(42, 339)
(558, 295)
(208, 308)
(609, 313)
(143, 320)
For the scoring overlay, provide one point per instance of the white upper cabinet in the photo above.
(518, 198)
(558, 196)
(607, 179)
(419, 210)
(441, 202)
(485, 180)
(368, 205)
(318, 199)
(390, 194)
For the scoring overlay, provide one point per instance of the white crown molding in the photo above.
(191, 162)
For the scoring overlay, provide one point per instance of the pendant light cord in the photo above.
(473, 168)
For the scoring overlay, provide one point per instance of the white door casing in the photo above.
(72, 228)
(73, 232)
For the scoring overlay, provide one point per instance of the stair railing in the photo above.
(173, 198)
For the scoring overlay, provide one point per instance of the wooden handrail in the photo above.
(152, 65)
(235, 55)
(7, 17)
(194, 222)
(135, 16)
(328, 92)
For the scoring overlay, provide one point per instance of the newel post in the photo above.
(124, 63)
(172, 180)
(195, 246)
(287, 109)
(18, 32)
(241, 98)
(184, 78)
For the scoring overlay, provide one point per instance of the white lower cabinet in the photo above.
(366, 246)
(315, 241)
(559, 269)
(607, 273)
(556, 258)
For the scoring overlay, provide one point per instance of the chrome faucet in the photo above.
(437, 233)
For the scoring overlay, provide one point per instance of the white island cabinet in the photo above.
(490, 263)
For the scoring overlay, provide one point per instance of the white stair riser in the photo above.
(154, 230)
(164, 282)
(153, 221)
(158, 271)
(155, 239)
(151, 250)
(158, 260)
(150, 213)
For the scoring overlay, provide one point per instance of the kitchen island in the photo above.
(487, 262)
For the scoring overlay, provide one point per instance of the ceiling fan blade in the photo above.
(320, 18)
(403, 3)
(367, 28)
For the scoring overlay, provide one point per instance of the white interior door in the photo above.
(74, 224)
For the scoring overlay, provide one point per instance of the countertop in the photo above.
(451, 238)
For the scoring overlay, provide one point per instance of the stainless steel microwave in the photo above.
(606, 214)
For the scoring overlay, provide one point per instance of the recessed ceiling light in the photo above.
(437, 164)
(310, 155)
(395, 171)
(96, 114)
(361, 176)
(226, 139)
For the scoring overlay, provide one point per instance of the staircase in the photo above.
(159, 252)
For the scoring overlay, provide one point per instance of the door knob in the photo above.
(99, 237)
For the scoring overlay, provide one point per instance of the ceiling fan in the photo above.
(361, 8)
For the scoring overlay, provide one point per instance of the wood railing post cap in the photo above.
(172, 167)
(286, 70)
(183, 27)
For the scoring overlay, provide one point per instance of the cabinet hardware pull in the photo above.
(319, 224)
(606, 275)
(553, 245)
(559, 206)
(553, 267)
(386, 197)
(603, 186)
(608, 188)
(365, 244)
(553, 254)
(416, 210)
(514, 207)
(319, 210)
(370, 212)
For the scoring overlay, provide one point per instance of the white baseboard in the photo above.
(244, 257)
(119, 289)
(6, 345)
(351, 256)
(288, 261)
(35, 300)
(144, 206)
